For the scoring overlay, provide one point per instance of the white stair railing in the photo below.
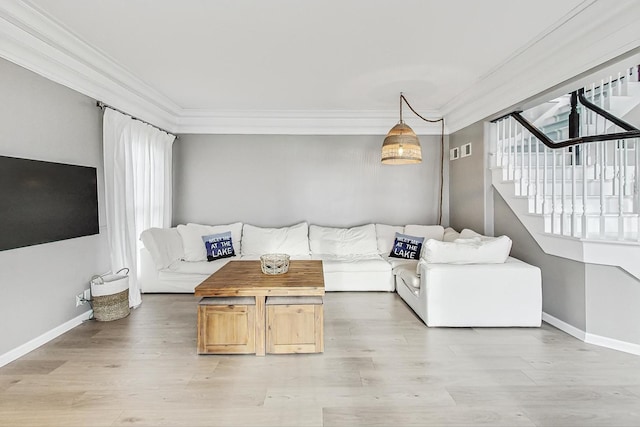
(584, 191)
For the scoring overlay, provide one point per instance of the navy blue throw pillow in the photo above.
(219, 246)
(407, 247)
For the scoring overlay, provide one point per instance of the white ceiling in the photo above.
(256, 58)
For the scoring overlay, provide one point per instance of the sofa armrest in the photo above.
(508, 294)
(147, 271)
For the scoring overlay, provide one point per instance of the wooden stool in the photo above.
(227, 325)
(294, 325)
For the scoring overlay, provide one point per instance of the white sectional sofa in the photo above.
(457, 281)
(174, 260)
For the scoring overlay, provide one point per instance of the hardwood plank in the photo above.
(635, 389)
(585, 415)
(423, 416)
(229, 416)
(59, 417)
(401, 375)
(541, 396)
(454, 363)
(347, 397)
(31, 367)
(7, 381)
(604, 376)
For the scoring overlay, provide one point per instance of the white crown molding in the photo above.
(593, 33)
(34, 41)
(290, 122)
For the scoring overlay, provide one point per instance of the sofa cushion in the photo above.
(218, 246)
(304, 257)
(396, 262)
(450, 235)
(426, 231)
(343, 241)
(407, 247)
(201, 268)
(468, 251)
(407, 273)
(194, 248)
(164, 245)
(385, 236)
(353, 263)
(293, 240)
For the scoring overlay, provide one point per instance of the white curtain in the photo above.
(137, 171)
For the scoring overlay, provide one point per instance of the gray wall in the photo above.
(563, 280)
(42, 120)
(277, 180)
(612, 299)
(466, 181)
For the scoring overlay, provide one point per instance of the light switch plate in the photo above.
(465, 150)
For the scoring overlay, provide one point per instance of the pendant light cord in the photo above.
(441, 120)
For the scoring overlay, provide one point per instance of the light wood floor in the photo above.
(381, 366)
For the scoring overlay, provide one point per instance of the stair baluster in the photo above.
(603, 171)
(636, 188)
(545, 205)
(586, 159)
(553, 192)
(573, 191)
(621, 178)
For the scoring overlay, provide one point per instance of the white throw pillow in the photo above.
(450, 235)
(427, 231)
(467, 233)
(468, 251)
(292, 240)
(164, 245)
(343, 241)
(385, 236)
(194, 249)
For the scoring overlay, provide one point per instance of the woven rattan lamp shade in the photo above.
(401, 146)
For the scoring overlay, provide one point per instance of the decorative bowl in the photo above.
(274, 263)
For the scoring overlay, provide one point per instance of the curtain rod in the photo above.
(102, 106)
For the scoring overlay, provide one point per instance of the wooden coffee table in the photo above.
(245, 279)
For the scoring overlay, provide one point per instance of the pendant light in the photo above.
(402, 147)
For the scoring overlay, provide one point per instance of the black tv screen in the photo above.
(44, 202)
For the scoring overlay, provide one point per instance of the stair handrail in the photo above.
(604, 113)
(630, 130)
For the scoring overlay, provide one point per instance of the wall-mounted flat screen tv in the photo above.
(44, 202)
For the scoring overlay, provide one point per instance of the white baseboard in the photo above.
(17, 352)
(594, 339)
(564, 326)
(614, 344)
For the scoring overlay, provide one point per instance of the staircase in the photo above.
(578, 202)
